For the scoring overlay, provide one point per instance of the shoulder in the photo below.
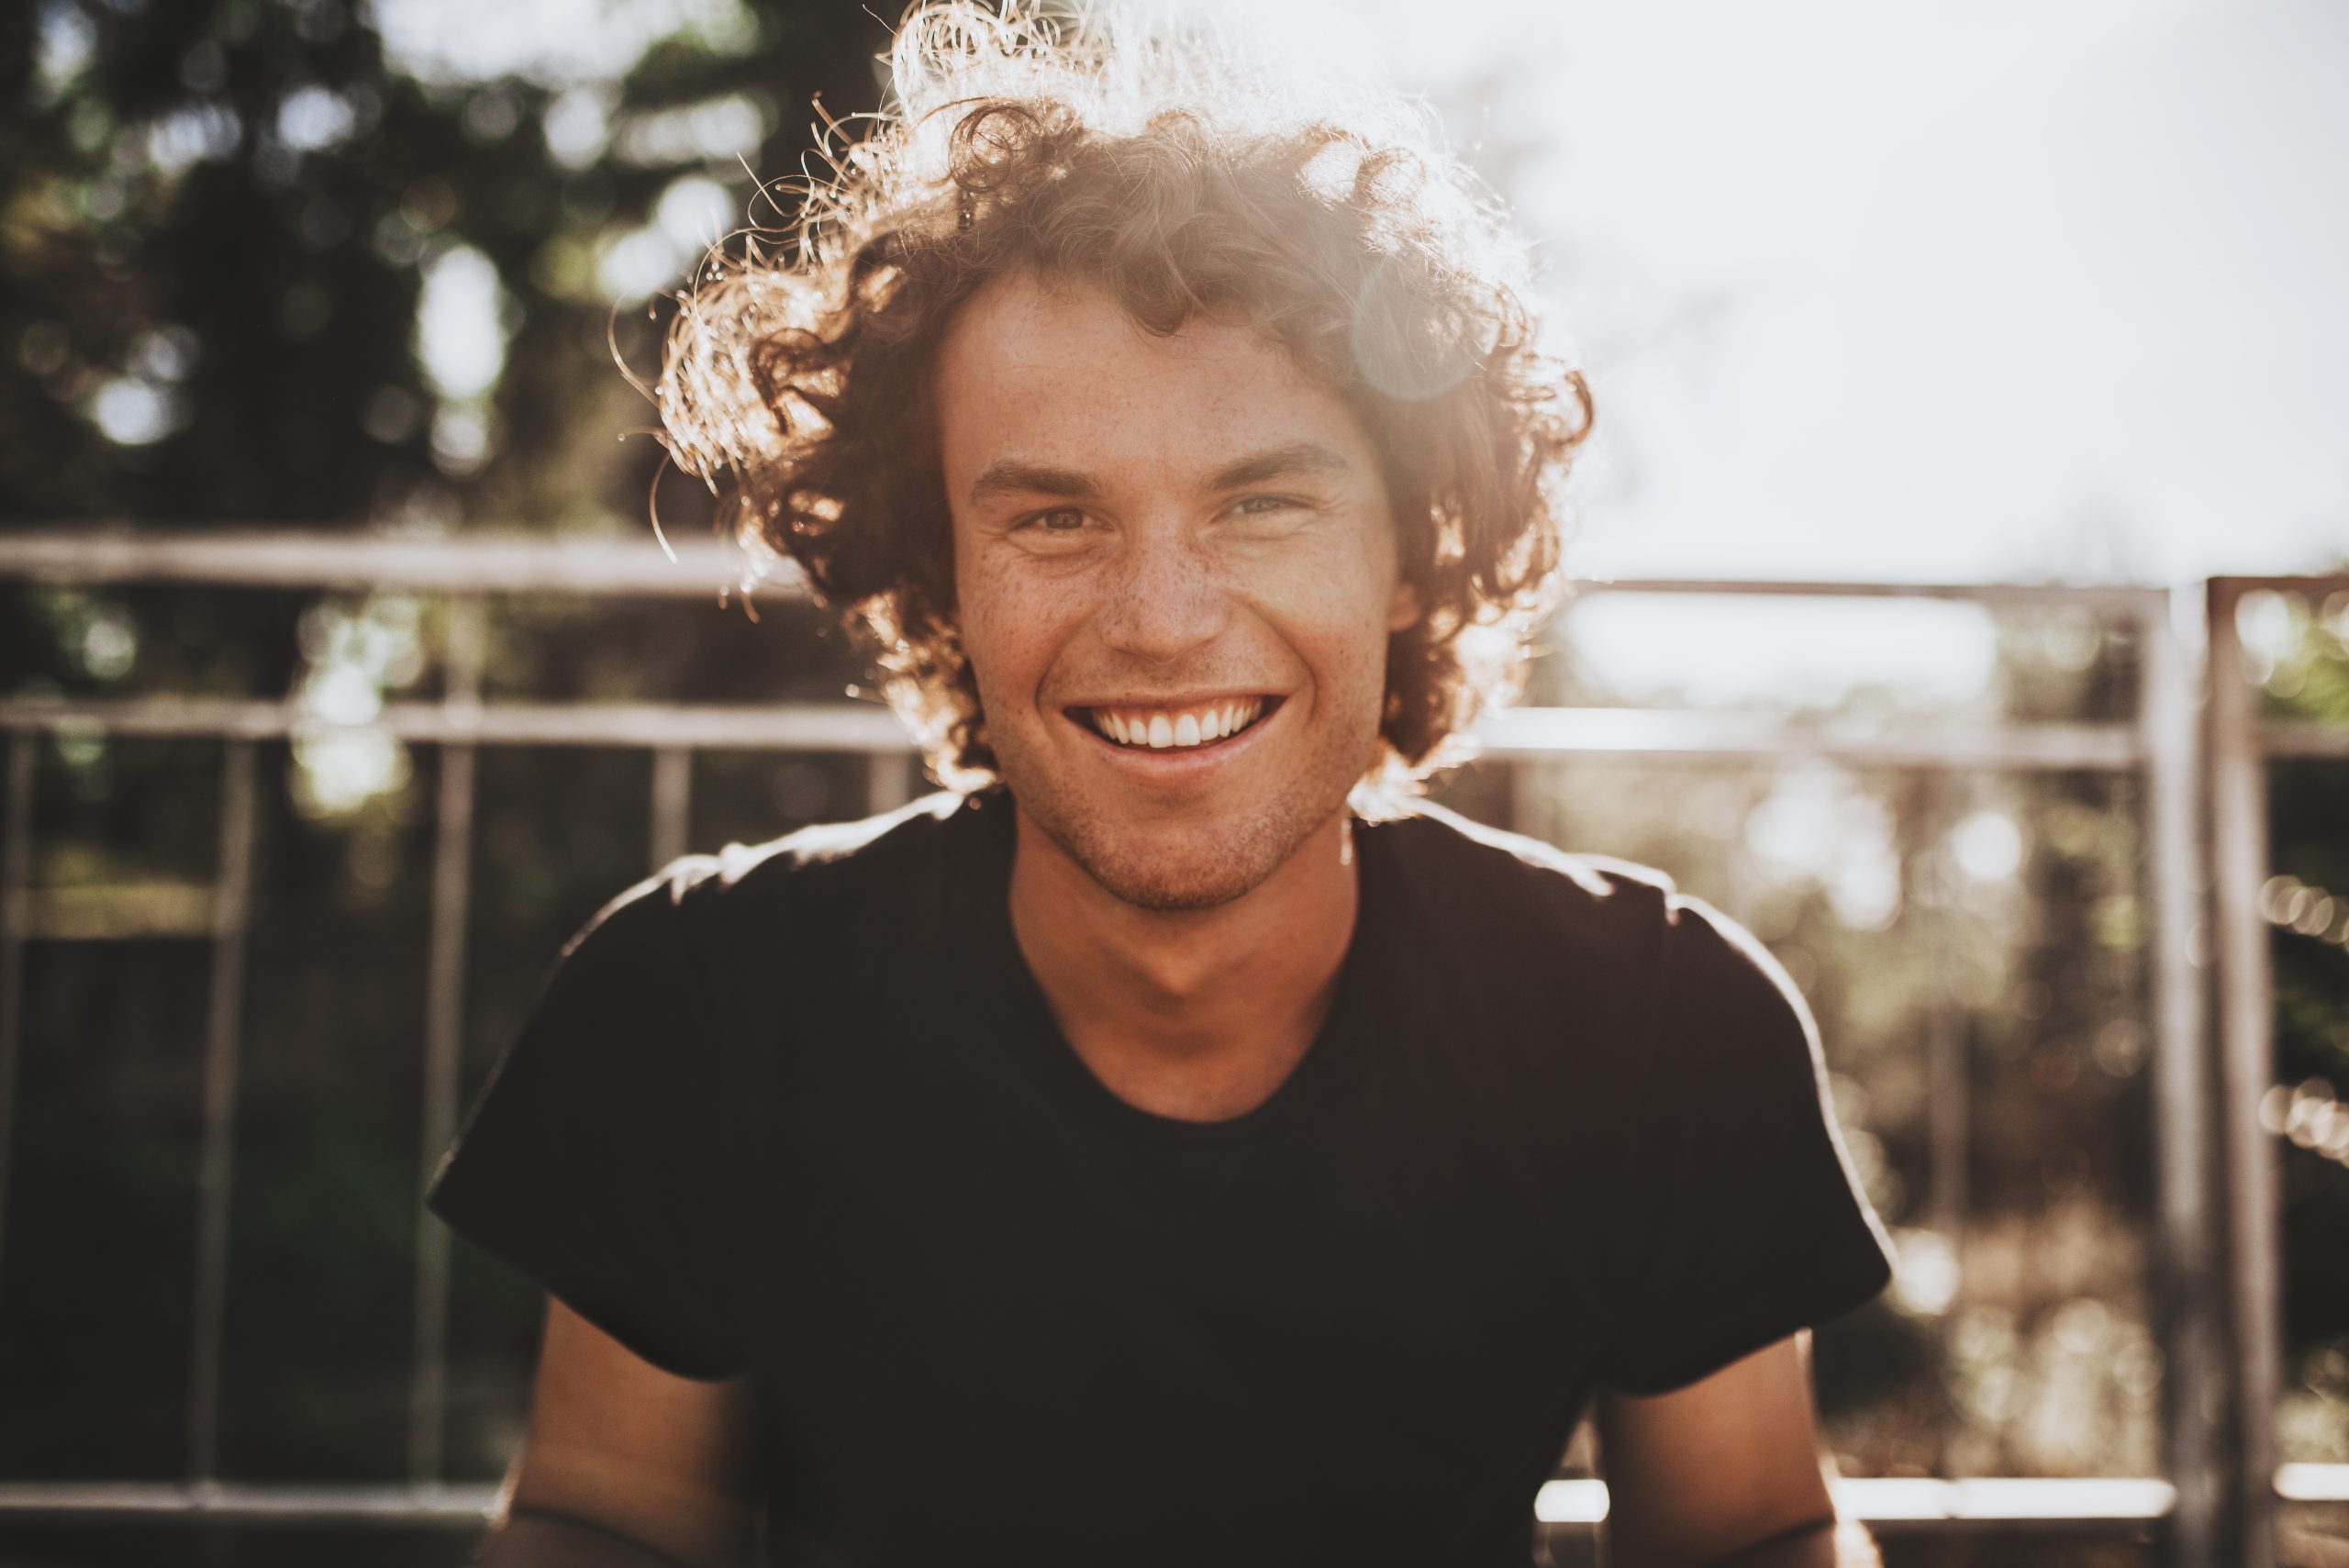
(827, 852)
(1484, 877)
(1517, 942)
(1522, 914)
(830, 858)
(1459, 864)
(824, 886)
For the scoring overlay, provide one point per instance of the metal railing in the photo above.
(2242, 744)
(2219, 1500)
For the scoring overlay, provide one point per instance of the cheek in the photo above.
(1013, 621)
(1341, 600)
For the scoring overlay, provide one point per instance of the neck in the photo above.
(1197, 1013)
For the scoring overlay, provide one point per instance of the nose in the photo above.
(1164, 598)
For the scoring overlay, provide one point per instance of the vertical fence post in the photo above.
(16, 886)
(217, 1163)
(2190, 1295)
(2239, 849)
(673, 801)
(1528, 790)
(888, 781)
(444, 1033)
(1949, 1109)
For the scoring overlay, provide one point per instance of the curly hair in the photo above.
(797, 379)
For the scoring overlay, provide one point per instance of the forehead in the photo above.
(1057, 372)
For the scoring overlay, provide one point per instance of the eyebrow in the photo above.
(1280, 462)
(1010, 475)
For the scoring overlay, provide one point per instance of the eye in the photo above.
(1270, 516)
(1062, 520)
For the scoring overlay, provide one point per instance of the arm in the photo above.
(626, 1466)
(1725, 1473)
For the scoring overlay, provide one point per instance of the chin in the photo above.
(1198, 861)
(1167, 885)
(1172, 872)
(1207, 852)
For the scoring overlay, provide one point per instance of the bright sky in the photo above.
(1952, 288)
(1947, 289)
(1942, 288)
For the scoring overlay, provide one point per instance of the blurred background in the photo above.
(341, 682)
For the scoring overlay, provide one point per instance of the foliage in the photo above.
(290, 263)
(219, 219)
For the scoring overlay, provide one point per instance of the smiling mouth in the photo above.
(1190, 729)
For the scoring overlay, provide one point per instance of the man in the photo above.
(1173, 1148)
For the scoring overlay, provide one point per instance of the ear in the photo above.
(1403, 610)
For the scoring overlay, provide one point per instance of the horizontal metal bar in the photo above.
(2302, 739)
(1977, 1500)
(121, 912)
(2005, 1499)
(2226, 590)
(845, 727)
(1986, 1500)
(248, 1502)
(516, 562)
(2313, 1482)
(1668, 733)
(2118, 598)
(471, 563)
(814, 726)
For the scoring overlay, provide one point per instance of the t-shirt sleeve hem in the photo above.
(1845, 1293)
(512, 1246)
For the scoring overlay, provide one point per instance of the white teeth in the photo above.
(1163, 731)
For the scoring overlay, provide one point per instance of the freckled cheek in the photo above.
(1335, 616)
(1014, 627)
(1342, 662)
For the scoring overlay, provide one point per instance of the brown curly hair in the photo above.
(797, 377)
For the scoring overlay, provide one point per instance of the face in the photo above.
(1174, 567)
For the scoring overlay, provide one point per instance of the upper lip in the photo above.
(1177, 703)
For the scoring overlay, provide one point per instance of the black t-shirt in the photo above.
(801, 1111)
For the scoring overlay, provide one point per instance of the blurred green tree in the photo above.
(219, 219)
(303, 263)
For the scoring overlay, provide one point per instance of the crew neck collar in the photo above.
(1014, 1001)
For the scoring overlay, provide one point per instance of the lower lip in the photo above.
(1174, 764)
